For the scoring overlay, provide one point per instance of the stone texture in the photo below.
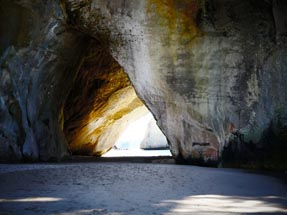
(206, 69)
(100, 106)
(38, 64)
(212, 72)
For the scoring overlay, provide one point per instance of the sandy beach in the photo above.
(90, 188)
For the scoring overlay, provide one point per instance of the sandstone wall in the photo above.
(39, 60)
(212, 72)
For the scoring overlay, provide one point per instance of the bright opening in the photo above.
(104, 116)
(141, 138)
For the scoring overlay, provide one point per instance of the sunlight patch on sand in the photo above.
(35, 199)
(218, 204)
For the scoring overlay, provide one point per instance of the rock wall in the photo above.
(101, 104)
(212, 72)
(39, 60)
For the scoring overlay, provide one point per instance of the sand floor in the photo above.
(90, 188)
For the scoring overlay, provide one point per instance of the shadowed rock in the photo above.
(206, 69)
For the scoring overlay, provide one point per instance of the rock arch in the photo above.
(101, 106)
(203, 68)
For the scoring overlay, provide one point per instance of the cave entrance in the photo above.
(142, 137)
(104, 114)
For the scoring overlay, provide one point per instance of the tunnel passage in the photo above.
(102, 105)
(195, 64)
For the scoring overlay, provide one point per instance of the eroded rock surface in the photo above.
(213, 73)
(208, 70)
(100, 106)
(39, 60)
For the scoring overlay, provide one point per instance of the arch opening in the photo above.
(103, 112)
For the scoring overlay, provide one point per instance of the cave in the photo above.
(205, 78)
(212, 73)
(102, 105)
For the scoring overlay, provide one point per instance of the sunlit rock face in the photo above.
(100, 106)
(212, 72)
